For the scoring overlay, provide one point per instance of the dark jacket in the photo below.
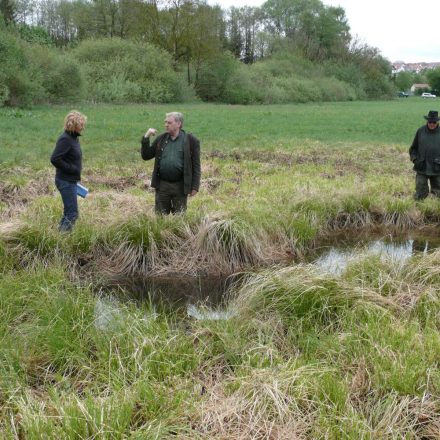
(191, 159)
(67, 157)
(425, 151)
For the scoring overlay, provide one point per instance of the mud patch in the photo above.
(118, 183)
(16, 192)
(343, 166)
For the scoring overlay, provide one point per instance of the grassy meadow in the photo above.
(29, 135)
(304, 355)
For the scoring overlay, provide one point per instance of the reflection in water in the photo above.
(204, 313)
(335, 259)
(107, 314)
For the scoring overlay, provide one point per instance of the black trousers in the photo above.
(170, 198)
(422, 188)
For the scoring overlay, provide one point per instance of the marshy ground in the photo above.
(296, 352)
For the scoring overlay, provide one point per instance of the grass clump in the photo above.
(66, 370)
(376, 357)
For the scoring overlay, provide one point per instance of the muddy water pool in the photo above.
(206, 297)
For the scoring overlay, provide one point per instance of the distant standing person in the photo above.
(425, 155)
(67, 159)
(176, 172)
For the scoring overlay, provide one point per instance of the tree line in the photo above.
(283, 51)
(404, 80)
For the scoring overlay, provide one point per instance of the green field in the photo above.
(304, 356)
(29, 135)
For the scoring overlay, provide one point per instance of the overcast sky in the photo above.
(401, 32)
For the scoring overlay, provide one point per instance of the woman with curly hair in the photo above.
(67, 159)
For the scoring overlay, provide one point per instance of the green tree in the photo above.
(333, 33)
(321, 32)
(433, 77)
(376, 70)
(404, 80)
(250, 27)
(204, 38)
(16, 87)
(175, 24)
(214, 76)
(35, 35)
(8, 11)
(235, 43)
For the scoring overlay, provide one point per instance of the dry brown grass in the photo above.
(215, 246)
(8, 229)
(267, 405)
(398, 417)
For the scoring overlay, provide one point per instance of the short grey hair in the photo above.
(177, 117)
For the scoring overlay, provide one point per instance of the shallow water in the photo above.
(206, 297)
(178, 290)
(335, 258)
(198, 297)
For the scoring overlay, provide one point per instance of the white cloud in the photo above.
(394, 28)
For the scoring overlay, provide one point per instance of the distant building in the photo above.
(416, 87)
(401, 66)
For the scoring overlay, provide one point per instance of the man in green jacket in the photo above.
(425, 155)
(176, 172)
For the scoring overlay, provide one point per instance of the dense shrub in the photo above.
(4, 94)
(14, 83)
(369, 78)
(379, 87)
(348, 73)
(242, 88)
(300, 90)
(35, 35)
(213, 77)
(121, 71)
(276, 81)
(125, 71)
(333, 89)
(284, 63)
(34, 73)
(58, 75)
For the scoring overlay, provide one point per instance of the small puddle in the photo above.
(198, 297)
(334, 258)
(206, 297)
(107, 314)
(181, 290)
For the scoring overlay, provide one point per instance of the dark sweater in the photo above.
(171, 163)
(67, 157)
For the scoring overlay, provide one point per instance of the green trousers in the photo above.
(170, 198)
